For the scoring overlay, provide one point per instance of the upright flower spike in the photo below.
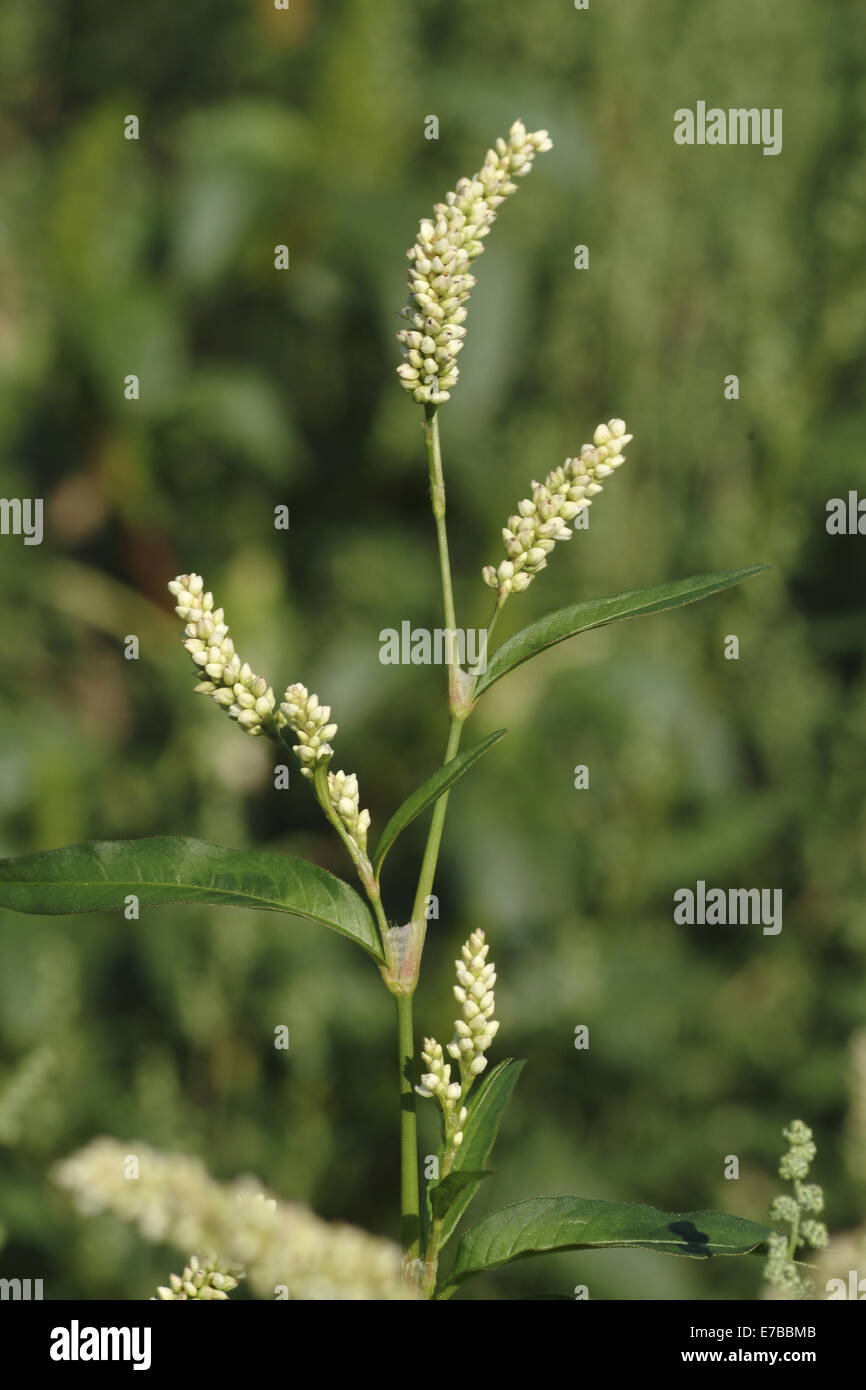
(230, 682)
(476, 1028)
(439, 278)
(343, 789)
(436, 1084)
(543, 518)
(474, 1031)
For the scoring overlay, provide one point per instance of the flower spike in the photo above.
(230, 682)
(439, 278)
(543, 518)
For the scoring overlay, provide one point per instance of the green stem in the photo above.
(431, 1260)
(434, 838)
(410, 1198)
(460, 708)
(437, 498)
(793, 1239)
(430, 1266)
(500, 604)
(459, 712)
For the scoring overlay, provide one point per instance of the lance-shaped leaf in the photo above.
(430, 791)
(543, 1225)
(174, 869)
(597, 612)
(445, 1193)
(479, 1135)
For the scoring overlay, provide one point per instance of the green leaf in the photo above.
(445, 1193)
(430, 791)
(597, 612)
(479, 1136)
(542, 1225)
(173, 869)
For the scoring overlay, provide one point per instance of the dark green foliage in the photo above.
(260, 389)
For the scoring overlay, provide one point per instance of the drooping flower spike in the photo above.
(250, 700)
(230, 682)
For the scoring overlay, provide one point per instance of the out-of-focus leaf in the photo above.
(239, 410)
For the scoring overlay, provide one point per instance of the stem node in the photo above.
(403, 946)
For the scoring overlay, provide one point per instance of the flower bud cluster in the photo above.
(476, 1027)
(202, 1279)
(780, 1269)
(343, 788)
(436, 1082)
(250, 700)
(230, 682)
(474, 1031)
(796, 1162)
(543, 518)
(310, 721)
(439, 278)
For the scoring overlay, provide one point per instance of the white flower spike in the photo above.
(230, 682)
(543, 518)
(474, 1032)
(250, 700)
(310, 721)
(439, 278)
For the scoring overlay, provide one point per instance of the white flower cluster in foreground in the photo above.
(439, 278)
(543, 518)
(202, 1281)
(280, 1245)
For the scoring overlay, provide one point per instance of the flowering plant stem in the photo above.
(410, 1194)
(410, 1202)
(101, 875)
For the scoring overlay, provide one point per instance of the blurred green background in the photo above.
(261, 388)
